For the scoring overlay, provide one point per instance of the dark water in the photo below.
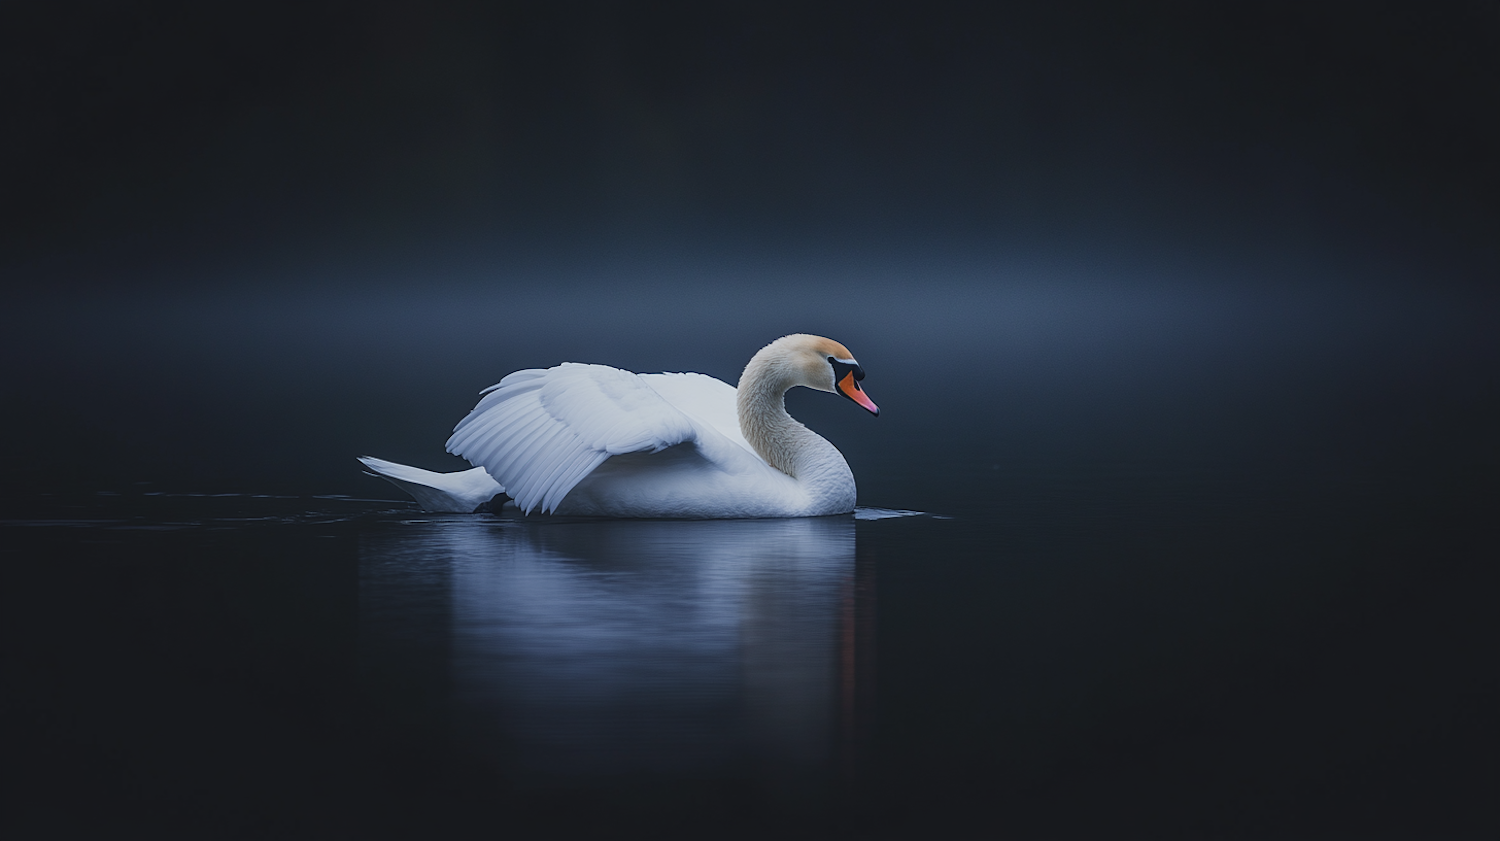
(1116, 648)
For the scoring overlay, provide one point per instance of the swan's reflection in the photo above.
(582, 648)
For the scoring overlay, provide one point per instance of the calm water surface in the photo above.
(1107, 647)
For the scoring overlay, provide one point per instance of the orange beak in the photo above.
(851, 390)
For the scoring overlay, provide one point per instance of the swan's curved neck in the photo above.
(784, 443)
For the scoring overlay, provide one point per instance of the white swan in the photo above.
(598, 441)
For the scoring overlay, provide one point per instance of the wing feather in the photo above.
(509, 421)
(539, 432)
(567, 448)
(527, 433)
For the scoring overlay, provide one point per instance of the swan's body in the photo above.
(598, 441)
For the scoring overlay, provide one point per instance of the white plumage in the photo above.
(463, 492)
(595, 440)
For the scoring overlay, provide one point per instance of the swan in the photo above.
(593, 440)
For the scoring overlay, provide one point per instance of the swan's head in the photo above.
(817, 363)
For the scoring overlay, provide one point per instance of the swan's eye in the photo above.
(840, 366)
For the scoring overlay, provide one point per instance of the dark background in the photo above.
(247, 241)
(1186, 312)
(175, 134)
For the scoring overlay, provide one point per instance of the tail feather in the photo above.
(463, 492)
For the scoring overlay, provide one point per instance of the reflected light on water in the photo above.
(581, 649)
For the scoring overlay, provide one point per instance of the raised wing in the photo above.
(540, 432)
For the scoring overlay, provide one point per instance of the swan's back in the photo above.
(705, 399)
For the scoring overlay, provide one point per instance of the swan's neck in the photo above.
(784, 443)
